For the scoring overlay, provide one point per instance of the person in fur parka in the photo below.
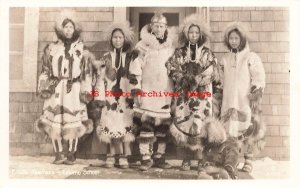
(115, 125)
(193, 68)
(64, 84)
(148, 73)
(243, 79)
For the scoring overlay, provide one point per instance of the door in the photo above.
(140, 16)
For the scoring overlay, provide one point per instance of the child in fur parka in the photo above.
(115, 125)
(65, 83)
(243, 79)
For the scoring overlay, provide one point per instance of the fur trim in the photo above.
(193, 19)
(255, 98)
(128, 138)
(64, 14)
(72, 133)
(102, 137)
(52, 132)
(126, 29)
(214, 131)
(194, 147)
(257, 138)
(89, 126)
(39, 126)
(193, 141)
(183, 140)
(217, 105)
(179, 137)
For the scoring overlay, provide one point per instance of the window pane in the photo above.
(16, 15)
(16, 67)
(16, 39)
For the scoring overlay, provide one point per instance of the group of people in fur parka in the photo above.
(216, 128)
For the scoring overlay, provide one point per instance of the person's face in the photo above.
(117, 39)
(158, 29)
(234, 40)
(194, 34)
(68, 30)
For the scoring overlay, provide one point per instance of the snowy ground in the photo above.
(41, 167)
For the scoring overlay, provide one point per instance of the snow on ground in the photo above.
(267, 168)
(40, 167)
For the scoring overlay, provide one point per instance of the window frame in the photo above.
(28, 83)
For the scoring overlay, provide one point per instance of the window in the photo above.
(23, 48)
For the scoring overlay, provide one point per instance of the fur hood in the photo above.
(127, 31)
(193, 19)
(243, 31)
(67, 14)
(149, 41)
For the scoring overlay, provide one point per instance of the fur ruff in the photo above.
(193, 19)
(50, 131)
(59, 28)
(214, 131)
(240, 27)
(149, 40)
(67, 132)
(70, 14)
(60, 35)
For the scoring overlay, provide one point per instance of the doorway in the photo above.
(140, 16)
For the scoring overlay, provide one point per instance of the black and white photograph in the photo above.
(159, 92)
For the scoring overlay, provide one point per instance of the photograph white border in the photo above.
(294, 32)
